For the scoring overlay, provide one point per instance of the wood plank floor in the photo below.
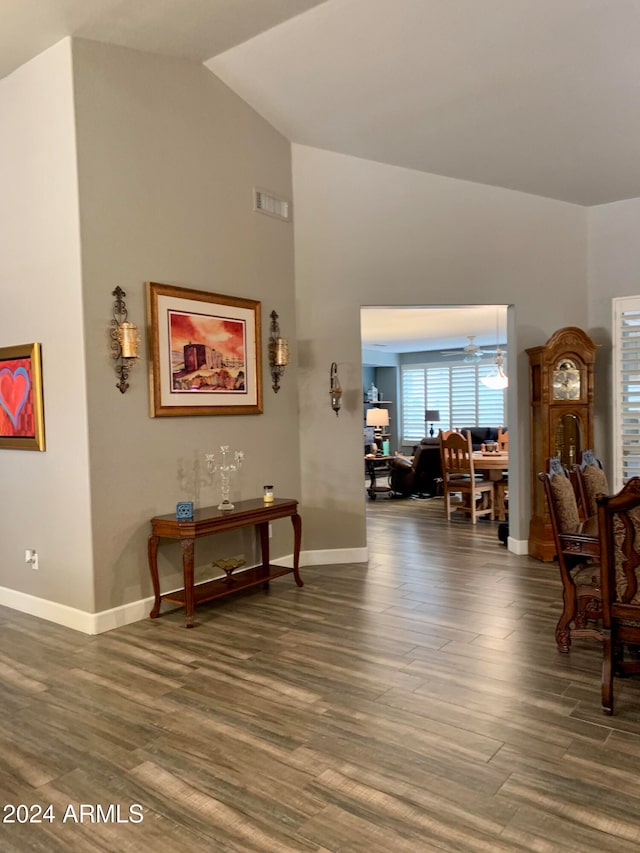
(416, 703)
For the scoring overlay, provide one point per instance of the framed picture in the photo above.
(204, 353)
(21, 409)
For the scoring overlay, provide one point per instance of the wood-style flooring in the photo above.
(416, 703)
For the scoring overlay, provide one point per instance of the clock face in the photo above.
(566, 380)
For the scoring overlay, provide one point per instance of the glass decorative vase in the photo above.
(226, 465)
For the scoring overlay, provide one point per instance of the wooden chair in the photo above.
(619, 528)
(577, 547)
(459, 477)
(502, 485)
(590, 481)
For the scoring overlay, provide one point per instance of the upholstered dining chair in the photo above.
(590, 481)
(459, 477)
(576, 549)
(619, 529)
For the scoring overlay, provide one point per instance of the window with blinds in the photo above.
(626, 388)
(455, 391)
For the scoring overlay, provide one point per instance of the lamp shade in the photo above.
(377, 417)
(432, 415)
(497, 380)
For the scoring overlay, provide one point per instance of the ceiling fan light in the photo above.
(497, 380)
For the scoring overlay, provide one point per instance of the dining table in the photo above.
(494, 466)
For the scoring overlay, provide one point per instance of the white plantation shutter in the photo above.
(455, 391)
(438, 382)
(413, 391)
(626, 389)
(463, 395)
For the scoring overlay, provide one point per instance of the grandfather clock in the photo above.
(561, 393)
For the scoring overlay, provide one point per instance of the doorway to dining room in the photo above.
(433, 359)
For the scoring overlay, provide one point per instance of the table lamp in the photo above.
(377, 418)
(430, 416)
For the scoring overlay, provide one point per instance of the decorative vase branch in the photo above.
(225, 467)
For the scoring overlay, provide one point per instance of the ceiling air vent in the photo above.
(270, 204)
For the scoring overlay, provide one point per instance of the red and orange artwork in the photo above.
(225, 335)
(17, 417)
(208, 353)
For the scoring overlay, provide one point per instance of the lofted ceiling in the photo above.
(191, 29)
(539, 96)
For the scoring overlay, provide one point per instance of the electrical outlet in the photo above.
(31, 557)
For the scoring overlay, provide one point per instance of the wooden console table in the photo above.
(206, 522)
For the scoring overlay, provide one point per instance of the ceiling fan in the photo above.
(472, 352)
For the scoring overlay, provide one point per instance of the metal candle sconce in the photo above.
(335, 389)
(125, 340)
(278, 352)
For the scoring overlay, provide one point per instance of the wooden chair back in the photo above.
(580, 578)
(459, 477)
(456, 454)
(591, 481)
(619, 531)
(503, 439)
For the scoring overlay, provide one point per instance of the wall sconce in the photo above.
(278, 352)
(125, 340)
(335, 389)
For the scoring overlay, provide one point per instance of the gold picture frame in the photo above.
(204, 352)
(21, 399)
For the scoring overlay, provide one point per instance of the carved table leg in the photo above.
(297, 538)
(187, 569)
(152, 551)
(264, 550)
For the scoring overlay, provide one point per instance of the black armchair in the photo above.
(420, 476)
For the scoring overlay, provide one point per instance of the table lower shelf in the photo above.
(221, 587)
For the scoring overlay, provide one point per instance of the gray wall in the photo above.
(614, 262)
(46, 495)
(168, 158)
(371, 234)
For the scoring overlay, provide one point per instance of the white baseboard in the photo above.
(324, 558)
(61, 614)
(71, 617)
(330, 557)
(107, 620)
(518, 546)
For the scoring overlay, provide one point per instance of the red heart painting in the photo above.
(14, 391)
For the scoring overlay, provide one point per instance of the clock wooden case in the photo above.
(561, 393)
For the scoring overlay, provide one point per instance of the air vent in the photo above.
(270, 204)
